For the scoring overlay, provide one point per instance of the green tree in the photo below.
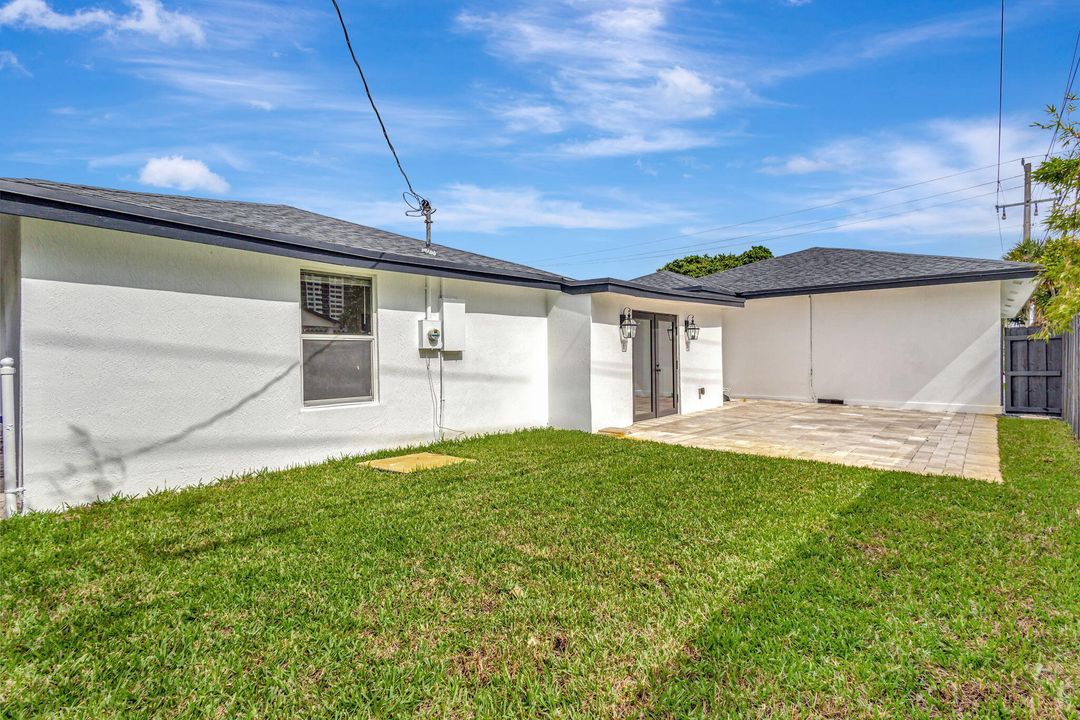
(702, 265)
(1057, 300)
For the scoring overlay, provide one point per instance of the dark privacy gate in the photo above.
(1070, 366)
(1033, 372)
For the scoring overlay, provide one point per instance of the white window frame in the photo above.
(372, 338)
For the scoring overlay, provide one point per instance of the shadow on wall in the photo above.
(103, 469)
(973, 377)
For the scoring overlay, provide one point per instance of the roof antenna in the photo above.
(420, 207)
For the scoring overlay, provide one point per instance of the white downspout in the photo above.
(12, 489)
(813, 393)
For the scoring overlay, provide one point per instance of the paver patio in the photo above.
(963, 444)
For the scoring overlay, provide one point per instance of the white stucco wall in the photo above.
(569, 347)
(767, 349)
(150, 362)
(934, 347)
(701, 362)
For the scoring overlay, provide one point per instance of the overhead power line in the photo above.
(663, 254)
(1070, 77)
(622, 246)
(418, 205)
(655, 255)
(1001, 105)
(726, 242)
(367, 91)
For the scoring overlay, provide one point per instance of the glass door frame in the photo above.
(656, 337)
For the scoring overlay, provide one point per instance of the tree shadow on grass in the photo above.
(189, 547)
(914, 601)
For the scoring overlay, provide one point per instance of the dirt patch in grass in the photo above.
(871, 550)
(949, 697)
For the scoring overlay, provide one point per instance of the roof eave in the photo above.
(624, 287)
(49, 204)
(61, 206)
(945, 279)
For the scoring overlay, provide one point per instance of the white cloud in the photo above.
(634, 144)
(147, 17)
(37, 15)
(529, 117)
(835, 156)
(629, 21)
(625, 77)
(960, 205)
(176, 171)
(468, 207)
(235, 81)
(151, 18)
(794, 165)
(843, 52)
(617, 69)
(645, 168)
(679, 86)
(230, 84)
(10, 61)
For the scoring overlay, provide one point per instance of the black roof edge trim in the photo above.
(623, 287)
(707, 289)
(184, 227)
(950, 279)
(48, 204)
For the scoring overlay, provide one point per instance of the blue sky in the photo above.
(587, 137)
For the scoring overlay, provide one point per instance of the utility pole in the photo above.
(1027, 203)
(1027, 199)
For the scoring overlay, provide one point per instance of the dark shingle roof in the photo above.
(288, 220)
(834, 269)
(289, 231)
(299, 233)
(668, 280)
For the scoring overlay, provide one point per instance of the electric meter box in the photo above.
(453, 325)
(431, 335)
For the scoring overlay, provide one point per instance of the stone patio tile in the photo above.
(906, 440)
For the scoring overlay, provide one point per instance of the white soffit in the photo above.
(1014, 293)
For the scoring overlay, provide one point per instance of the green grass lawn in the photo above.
(561, 575)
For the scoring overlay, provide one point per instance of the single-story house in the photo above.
(884, 329)
(162, 340)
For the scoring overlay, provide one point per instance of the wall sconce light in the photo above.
(627, 324)
(692, 329)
